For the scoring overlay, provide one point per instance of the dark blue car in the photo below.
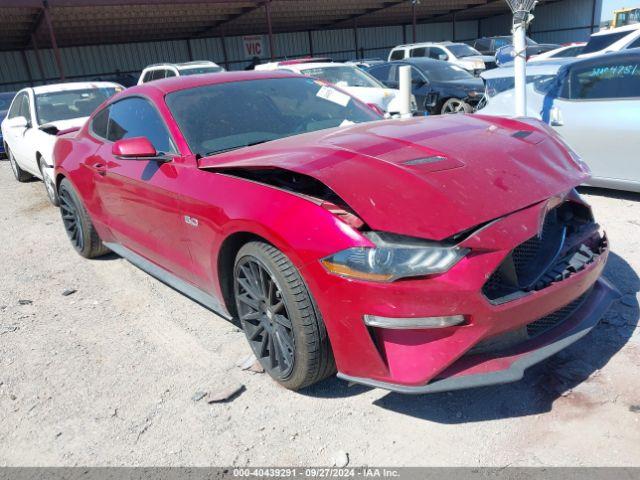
(5, 102)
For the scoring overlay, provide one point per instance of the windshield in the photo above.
(600, 42)
(444, 72)
(200, 70)
(56, 106)
(226, 116)
(502, 41)
(343, 76)
(541, 84)
(5, 100)
(462, 50)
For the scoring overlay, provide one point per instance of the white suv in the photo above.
(459, 54)
(166, 70)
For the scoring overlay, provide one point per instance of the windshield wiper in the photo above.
(236, 147)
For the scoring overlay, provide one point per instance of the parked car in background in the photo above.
(459, 54)
(37, 115)
(613, 40)
(408, 254)
(565, 51)
(438, 86)
(365, 63)
(491, 45)
(349, 78)
(5, 103)
(506, 54)
(593, 103)
(167, 70)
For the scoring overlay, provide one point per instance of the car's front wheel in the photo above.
(280, 318)
(77, 223)
(455, 105)
(20, 174)
(49, 184)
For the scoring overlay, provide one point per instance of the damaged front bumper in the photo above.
(514, 315)
(484, 369)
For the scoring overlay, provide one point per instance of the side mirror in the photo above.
(134, 148)
(17, 122)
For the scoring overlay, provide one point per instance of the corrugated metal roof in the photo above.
(93, 22)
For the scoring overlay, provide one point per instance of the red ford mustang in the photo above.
(415, 255)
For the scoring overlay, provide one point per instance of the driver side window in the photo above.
(136, 117)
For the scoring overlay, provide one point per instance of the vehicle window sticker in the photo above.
(333, 95)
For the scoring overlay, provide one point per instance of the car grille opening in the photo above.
(568, 242)
(513, 338)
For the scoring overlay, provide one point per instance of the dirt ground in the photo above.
(108, 375)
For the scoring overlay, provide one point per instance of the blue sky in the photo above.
(608, 6)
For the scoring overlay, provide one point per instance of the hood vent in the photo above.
(426, 160)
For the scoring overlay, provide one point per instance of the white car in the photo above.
(167, 70)
(593, 103)
(459, 54)
(566, 51)
(37, 115)
(614, 40)
(349, 78)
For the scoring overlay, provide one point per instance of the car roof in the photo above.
(626, 28)
(194, 64)
(65, 87)
(543, 67)
(424, 44)
(174, 84)
(421, 61)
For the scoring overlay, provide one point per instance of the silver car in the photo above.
(593, 103)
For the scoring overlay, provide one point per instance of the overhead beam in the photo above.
(54, 42)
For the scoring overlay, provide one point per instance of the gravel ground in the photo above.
(107, 375)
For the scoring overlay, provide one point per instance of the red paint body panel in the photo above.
(479, 173)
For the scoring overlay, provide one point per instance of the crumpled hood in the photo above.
(425, 177)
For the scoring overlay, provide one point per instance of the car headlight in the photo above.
(394, 257)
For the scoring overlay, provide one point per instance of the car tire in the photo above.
(77, 223)
(20, 174)
(280, 318)
(455, 105)
(49, 184)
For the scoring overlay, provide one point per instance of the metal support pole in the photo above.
(224, 52)
(404, 74)
(355, 36)
(310, 43)
(54, 43)
(189, 51)
(593, 15)
(413, 21)
(454, 26)
(267, 8)
(34, 43)
(520, 66)
(26, 67)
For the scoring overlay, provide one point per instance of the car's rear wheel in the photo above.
(20, 174)
(279, 317)
(455, 105)
(49, 184)
(77, 223)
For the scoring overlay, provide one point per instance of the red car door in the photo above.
(139, 197)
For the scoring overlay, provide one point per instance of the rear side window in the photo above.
(482, 44)
(419, 52)
(603, 81)
(100, 122)
(136, 117)
(397, 55)
(14, 111)
(600, 42)
(635, 43)
(25, 111)
(169, 73)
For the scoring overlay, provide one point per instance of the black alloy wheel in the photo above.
(71, 219)
(265, 318)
